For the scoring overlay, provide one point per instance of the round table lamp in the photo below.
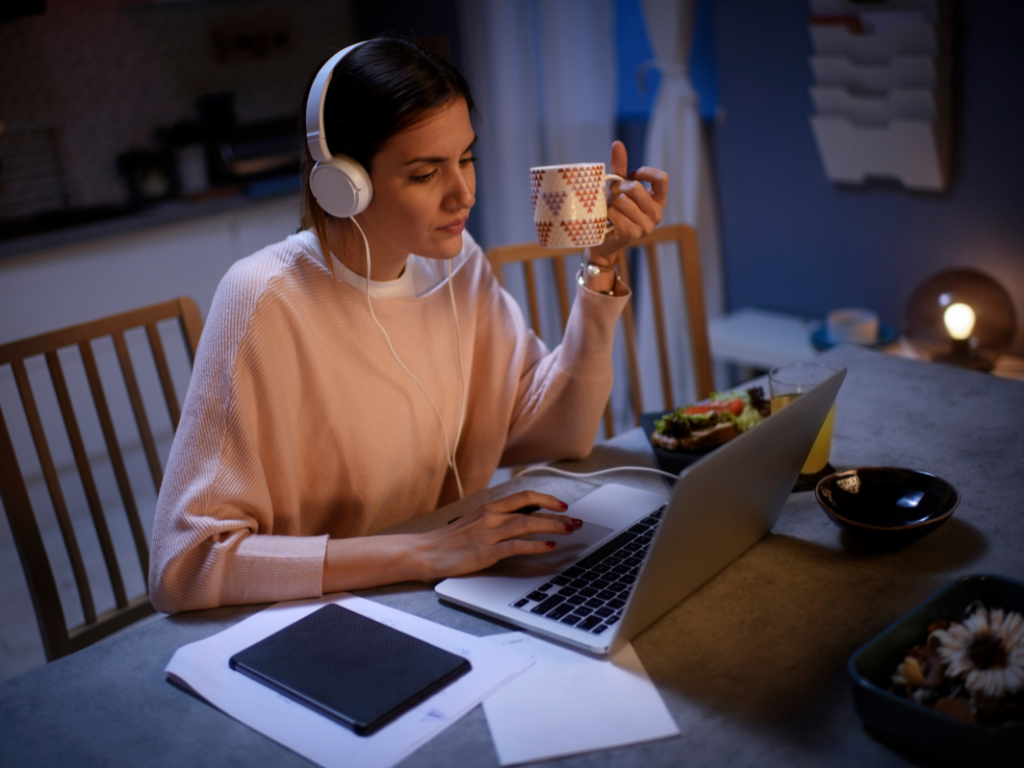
(960, 317)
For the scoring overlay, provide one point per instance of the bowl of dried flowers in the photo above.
(948, 678)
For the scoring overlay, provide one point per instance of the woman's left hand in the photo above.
(633, 210)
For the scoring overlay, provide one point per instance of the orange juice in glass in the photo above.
(786, 384)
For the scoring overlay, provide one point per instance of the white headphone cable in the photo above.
(581, 475)
(450, 455)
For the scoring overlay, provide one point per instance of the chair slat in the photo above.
(166, 383)
(558, 265)
(531, 297)
(191, 325)
(60, 508)
(139, 409)
(58, 639)
(42, 586)
(66, 337)
(629, 326)
(693, 289)
(85, 473)
(116, 459)
(659, 326)
(109, 622)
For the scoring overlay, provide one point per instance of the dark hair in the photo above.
(377, 91)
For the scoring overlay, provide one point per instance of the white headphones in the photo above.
(341, 186)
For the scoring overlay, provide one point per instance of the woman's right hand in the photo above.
(492, 533)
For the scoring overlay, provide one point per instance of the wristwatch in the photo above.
(593, 270)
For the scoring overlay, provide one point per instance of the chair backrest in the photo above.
(686, 240)
(58, 639)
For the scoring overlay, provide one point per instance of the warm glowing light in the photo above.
(959, 319)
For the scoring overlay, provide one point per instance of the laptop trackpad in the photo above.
(569, 548)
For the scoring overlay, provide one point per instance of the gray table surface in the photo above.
(752, 665)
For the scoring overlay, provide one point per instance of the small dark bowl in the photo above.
(920, 728)
(886, 506)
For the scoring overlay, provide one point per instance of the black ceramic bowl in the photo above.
(886, 505)
(872, 665)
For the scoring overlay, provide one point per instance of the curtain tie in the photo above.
(675, 75)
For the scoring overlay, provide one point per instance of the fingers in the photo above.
(575, 522)
(514, 547)
(618, 159)
(494, 531)
(626, 230)
(630, 222)
(515, 526)
(638, 205)
(524, 499)
(658, 180)
(635, 192)
(498, 516)
(633, 210)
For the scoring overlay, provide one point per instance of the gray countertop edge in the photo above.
(171, 212)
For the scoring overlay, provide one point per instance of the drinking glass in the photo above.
(786, 384)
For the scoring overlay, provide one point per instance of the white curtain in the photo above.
(675, 144)
(543, 74)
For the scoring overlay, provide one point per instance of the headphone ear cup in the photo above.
(341, 186)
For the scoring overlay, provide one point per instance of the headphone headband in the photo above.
(315, 139)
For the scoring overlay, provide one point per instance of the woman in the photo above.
(312, 419)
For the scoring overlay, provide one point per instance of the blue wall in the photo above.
(796, 243)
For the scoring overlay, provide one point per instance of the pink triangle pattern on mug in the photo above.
(573, 198)
(536, 177)
(554, 200)
(584, 231)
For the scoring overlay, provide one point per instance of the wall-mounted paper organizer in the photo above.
(881, 90)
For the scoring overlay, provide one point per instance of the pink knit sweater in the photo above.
(299, 425)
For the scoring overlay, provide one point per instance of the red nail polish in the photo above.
(577, 522)
(563, 505)
(550, 544)
(569, 528)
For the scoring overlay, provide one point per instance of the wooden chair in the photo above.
(686, 239)
(58, 639)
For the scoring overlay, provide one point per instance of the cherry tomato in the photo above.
(735, 406)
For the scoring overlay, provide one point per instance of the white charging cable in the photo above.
(581, 475)
(449, 452)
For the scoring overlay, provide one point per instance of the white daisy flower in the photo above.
(987, 650)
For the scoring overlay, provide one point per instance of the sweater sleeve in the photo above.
(561, 394)
(214, 540)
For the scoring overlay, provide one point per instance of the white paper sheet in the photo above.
(568, 703)
(203, 668)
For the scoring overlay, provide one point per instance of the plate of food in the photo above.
(681, 437)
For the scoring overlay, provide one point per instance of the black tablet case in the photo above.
(352, 669)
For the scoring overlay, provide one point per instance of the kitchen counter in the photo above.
(110, 221)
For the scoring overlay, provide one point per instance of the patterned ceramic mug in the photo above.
(570, 207)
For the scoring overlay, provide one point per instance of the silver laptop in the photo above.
(637, 555)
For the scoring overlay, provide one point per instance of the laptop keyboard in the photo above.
(591, 593)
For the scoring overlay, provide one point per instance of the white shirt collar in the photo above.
(421, 275)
